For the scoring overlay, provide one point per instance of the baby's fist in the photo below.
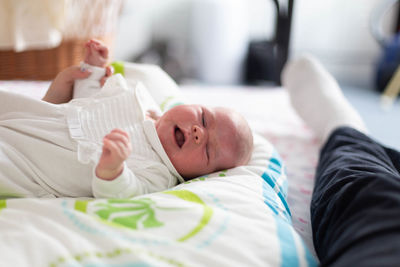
(116, 149)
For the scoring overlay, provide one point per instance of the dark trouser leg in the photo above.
(355, 208)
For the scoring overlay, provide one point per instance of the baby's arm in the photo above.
(116, 149)
(60, 90)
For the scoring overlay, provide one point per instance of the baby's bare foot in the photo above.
(96, 53)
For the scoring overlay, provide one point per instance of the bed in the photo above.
(257, 215)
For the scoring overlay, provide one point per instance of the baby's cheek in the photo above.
(181, 159)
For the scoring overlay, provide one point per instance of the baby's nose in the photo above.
(198, 134)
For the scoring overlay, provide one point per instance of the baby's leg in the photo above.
(91, 85)
(318, 99)
(35, 148)
(96, 53)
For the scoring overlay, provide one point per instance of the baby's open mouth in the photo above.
(179, 137)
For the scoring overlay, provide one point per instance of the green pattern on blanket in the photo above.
(81, 205)
(141, 212)
(125, 212)
(222, 173)
(133, 212)
(189, 196)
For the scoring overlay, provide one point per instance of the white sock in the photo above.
(317, 97)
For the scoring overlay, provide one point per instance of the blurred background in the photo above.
(208, 40)
(231, 42)
(216, 42)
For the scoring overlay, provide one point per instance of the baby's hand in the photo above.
(109, 72)
(116, 149)
(96, 53)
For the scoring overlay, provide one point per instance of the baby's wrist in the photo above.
(108, 174)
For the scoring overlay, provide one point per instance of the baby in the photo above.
(190, 140)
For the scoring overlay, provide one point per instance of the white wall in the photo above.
(142, 19)
(336, 31)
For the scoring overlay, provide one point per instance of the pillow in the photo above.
(160, 85)
(265, 165)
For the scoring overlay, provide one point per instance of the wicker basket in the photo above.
(83, 20)
(43, 64)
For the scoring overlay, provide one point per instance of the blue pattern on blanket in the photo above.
(293, 251)
(289, 252)
(275, 192)
(275, 189)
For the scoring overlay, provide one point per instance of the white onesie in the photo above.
(51, 150)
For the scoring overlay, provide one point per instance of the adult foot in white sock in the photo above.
(317, 97)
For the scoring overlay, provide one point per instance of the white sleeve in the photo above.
(127, 185)
(91, 85)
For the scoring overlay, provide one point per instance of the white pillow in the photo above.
(160, 85)
(265, 169)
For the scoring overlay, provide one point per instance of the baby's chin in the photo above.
(187, 173)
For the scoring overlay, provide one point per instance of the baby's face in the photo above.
(200, 140)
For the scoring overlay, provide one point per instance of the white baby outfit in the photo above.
(49, 150)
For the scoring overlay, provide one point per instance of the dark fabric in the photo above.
(355, 208)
